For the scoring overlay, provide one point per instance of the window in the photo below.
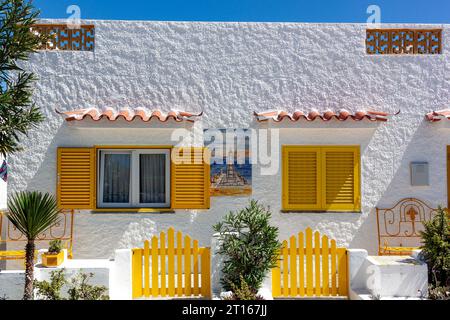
(134, 178)
(321, 178)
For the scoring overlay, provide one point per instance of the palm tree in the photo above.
(31, 213)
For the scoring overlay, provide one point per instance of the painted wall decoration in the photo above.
(231, 168)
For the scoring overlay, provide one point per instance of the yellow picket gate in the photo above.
(163, 270)
(310, 269)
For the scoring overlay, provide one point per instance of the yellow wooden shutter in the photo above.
(301, 178)
(341, 178)
(320, 178)
(190, 178)
(76, 178)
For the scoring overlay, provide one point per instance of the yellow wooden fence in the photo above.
(310, 268)
(163, 270)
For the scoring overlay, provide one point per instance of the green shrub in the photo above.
(55, 246)
(250, 246)
(436, 248)
(79, 289)
(243, 292)
(51, 290)
(439, 293)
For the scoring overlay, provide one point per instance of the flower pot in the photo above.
(52, 260)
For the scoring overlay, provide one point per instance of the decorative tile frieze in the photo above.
(65, 38)
(404, 41)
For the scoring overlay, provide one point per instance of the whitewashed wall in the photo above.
(229, 70)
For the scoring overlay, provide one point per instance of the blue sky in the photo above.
(392, 11)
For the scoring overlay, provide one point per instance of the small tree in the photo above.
(250, 246)
(436, 248)
(17, 41)
(31, 213)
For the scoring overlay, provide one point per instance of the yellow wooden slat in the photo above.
(179, 264)
(146, 269)
(325, 267)
(187, 266)
(309, 263)
(293, 266)
(195, 257)
(137, 273)
(285, 290)
(155, 274)
(342, 272)
(276, 279)
(333, 256)
(171, 262)
(301, 264)
(317, 291)
(162, 259)
(206, 272)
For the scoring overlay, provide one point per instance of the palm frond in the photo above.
(32, 212)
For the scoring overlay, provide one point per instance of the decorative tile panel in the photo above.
(404, 41)
(65, 38)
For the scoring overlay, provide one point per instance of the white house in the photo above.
(344, 125)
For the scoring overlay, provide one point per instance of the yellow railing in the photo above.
(161, 270)
(310, 269)
(62, 230)
(399, 227)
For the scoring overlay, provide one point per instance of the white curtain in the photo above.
(152, 186)
(116, 181)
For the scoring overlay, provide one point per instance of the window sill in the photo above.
(320, 211)
(136, 210)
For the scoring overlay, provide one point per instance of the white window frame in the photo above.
(134, 178)
(100, 186)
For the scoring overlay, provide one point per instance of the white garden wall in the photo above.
(228, 70)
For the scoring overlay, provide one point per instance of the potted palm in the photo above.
(54, 256)
(32, 213)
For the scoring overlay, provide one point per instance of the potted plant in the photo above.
(55, 255)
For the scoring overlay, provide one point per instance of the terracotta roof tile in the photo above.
(128, 114)
(327, 115)
(438, 115)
